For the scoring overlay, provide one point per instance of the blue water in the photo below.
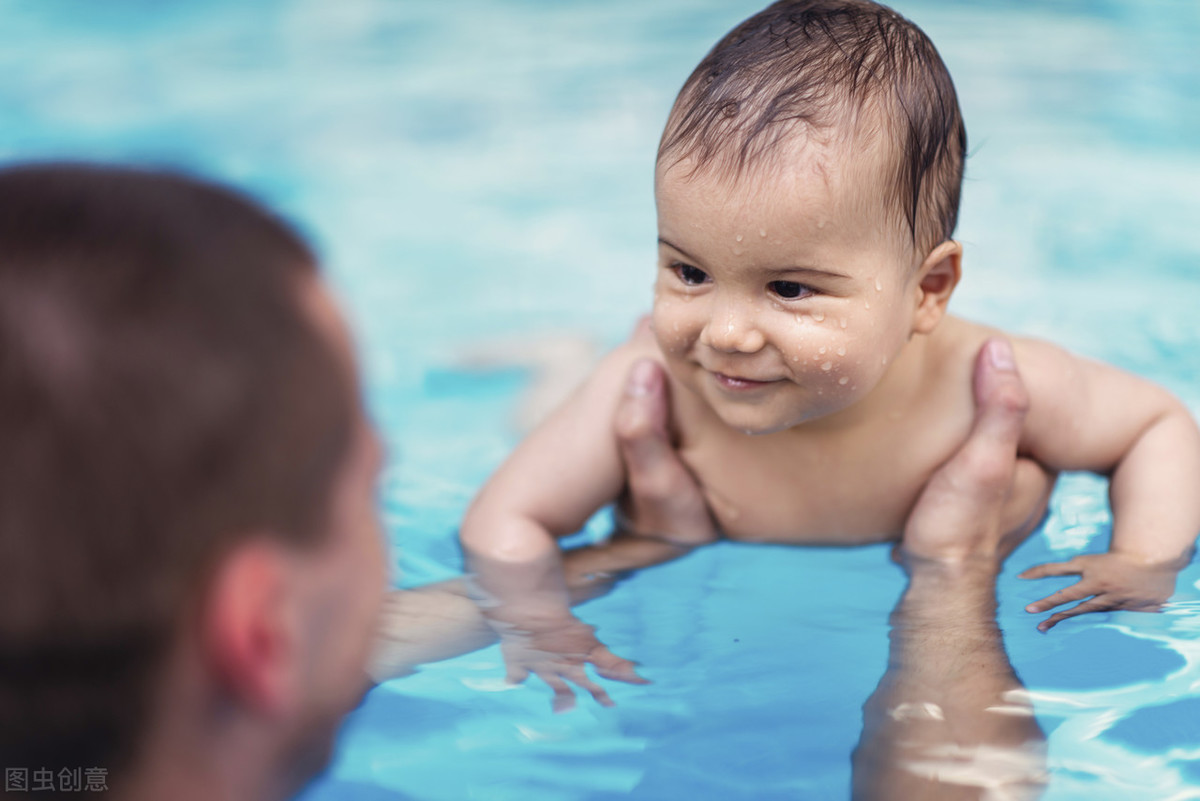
(483, 169)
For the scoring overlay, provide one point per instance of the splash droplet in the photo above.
(878, 286)
(819, 316)
(842, 322)
(841, 350)
(827, 366)
(844, 380)
(884, 360)
(738, 238)
(867, 305)
(762, 232)
(821, 349)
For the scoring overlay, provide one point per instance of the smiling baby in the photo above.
(807, 189)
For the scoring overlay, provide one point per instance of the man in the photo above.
(191, 564)
(190, 558)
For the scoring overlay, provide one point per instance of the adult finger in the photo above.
(664, 499)
(959, 511)
(1093, 605)
(1076, 592)
(986, 460)
(1067, 568)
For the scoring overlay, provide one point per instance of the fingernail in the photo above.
(1000, 354)
(640, 379)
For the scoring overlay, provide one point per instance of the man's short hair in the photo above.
(829, 65)
(163, 396)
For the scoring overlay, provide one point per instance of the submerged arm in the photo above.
(949, 719)
(441, 621)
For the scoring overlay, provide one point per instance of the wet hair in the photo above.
(164, 395)
(829, 66)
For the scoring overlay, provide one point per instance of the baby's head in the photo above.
(807, 186)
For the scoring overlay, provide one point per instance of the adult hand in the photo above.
(984, 500)
(663, 500)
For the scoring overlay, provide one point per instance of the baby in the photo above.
(807, 188)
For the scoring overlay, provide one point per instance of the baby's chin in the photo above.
(755, 422)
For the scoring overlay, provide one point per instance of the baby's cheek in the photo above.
(673, 323)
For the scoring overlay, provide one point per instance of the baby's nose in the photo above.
(732, 330)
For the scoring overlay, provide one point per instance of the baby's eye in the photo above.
(789, 290)
(690, 275)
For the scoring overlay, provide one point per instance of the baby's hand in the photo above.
(1109, 581)
(557, 650)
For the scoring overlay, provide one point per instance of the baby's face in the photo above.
(782, 299)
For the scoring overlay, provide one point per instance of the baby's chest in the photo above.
(855, 496)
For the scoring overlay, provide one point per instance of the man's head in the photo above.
(185, 477)
(807, 186)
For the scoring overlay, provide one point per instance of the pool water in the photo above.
(483, 171)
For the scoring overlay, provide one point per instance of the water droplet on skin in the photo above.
(819, 316)
(843, 380)
(738, 251)
(841, 351)
(675, 326)
(884, 360)
(738, 238)
(795, 358)
(827, 366)
(821, 349)
(820, 223)
(762, 232)
(842, 322)
(799, 319)
(867, 305)
(878, 286)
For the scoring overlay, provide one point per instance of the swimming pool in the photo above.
(485, 172)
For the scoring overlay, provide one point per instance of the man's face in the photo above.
(341, 582)
(782, 296)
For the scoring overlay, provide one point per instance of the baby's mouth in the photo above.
(740, 383)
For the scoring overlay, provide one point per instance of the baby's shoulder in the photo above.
(1037, 360)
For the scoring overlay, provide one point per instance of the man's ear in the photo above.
(936, 278)
(248, 635)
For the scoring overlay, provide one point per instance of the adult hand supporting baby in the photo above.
(950, 718)
(663, 500)
(969, 507)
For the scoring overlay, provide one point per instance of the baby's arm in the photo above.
(1089, 416)
(565, 470)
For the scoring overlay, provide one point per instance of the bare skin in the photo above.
(665, 517)
(816, 385)
(949, 719)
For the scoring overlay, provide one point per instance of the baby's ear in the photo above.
(936, 278)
